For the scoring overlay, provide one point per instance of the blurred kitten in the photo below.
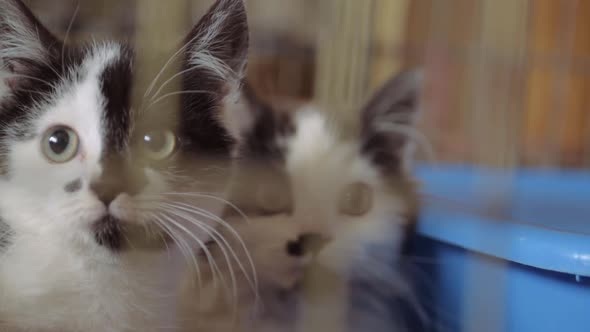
(328, 218)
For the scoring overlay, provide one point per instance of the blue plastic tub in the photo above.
(503, 252)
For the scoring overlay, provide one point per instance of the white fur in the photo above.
(236, 114)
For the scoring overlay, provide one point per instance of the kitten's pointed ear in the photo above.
(24, 42)
(215, 56)
(388, 121)
(218, 44)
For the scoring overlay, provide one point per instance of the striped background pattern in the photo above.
(506, 81)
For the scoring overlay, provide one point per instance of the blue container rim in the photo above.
(539, 218)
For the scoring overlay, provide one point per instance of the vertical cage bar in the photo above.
(343, 47)
(161, 27)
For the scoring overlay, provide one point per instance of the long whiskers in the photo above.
(163, 85)
(253, 282)
(184, 248)
(222, 244)
(157, 77)
(63, 47)
(213, 197)
(215, 268)
(176, 93)
(173, 212)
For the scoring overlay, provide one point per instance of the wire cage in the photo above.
(505, 97)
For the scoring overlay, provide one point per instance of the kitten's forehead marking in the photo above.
(108, 68)
(312, 138)
(316, 146)
(319, 162)
(115, 80)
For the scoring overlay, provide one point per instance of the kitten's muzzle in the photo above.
(117, 235)
(118, 176)
(108, 232)
(309, 243)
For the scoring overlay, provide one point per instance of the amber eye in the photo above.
(356, 199)
(60, 144)
(158, 145)
(272, 199)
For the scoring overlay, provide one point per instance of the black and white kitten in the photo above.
(329, 220)
(89, 179)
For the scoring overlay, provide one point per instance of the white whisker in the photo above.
(253, 282)
(215, 235)
(184, 248)
(157, 77)
(213, 197)
(63, 47)
(210, 258)
(175, 94)
(163, 85)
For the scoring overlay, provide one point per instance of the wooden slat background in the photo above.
(507, 81)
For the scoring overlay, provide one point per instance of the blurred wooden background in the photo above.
(506, 79)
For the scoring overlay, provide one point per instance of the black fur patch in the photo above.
(73, 186)
(383, 150)
(408, 241)
(261, 142)
(200, 131)
(115, 85)
(5, 236)
(108, 233)
(119, 174)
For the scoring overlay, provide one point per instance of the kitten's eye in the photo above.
(159, 145)
(356, 199)
(60, 144)
(272, 199)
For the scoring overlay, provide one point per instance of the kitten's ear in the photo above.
(388, 121)
(25, 44)
(215, 57)
(239, 117)
(218, 44)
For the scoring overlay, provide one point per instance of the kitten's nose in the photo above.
(107, 191)
(307, 243)
(117, 177)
